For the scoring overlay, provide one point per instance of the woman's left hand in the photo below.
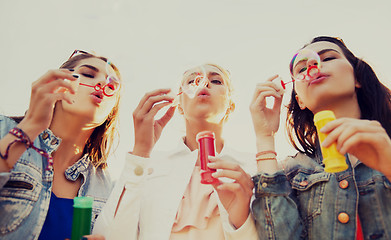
(235, 196)
(365, 139)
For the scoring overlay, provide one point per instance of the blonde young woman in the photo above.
(159, 196)
(58, 150)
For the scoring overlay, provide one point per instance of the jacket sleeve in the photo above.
(124, 225)
(275, 212)
(246, 232)
(4, 128)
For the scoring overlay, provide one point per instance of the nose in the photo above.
(102, 80)
(204, 82)
(312, 62)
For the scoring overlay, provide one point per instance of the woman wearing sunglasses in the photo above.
(303, 200)
(59, 149)
(160, 195)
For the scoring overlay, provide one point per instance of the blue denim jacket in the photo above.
(25, 190)
(305, 202)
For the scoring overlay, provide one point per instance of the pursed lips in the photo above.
(97, 96)
(319, 79)
(203, 93)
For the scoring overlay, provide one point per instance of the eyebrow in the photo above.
(90, 67)
(214, 74)
(327, 50)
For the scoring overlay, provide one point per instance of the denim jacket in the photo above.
(25, 191)
(305, 202)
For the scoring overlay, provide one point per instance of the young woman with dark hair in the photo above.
(298, 199)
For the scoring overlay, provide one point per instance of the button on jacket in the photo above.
(25, 191)
(305, 202)
(154, 188)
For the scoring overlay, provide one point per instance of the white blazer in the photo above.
(154, 188)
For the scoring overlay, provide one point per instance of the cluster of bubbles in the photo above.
(304, 66)
(193, 84)
(111, 86)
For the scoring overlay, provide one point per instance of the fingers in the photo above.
(353, 141)
(166, 117)
(93, 237)
(262, 93)
(230, 170)
(54, 80)
(268, 85)
(149, 94)
(54, 86)
(55, 74)
(61, 96)
(342, 129)
(152, 102)
(268, 89)
(271, 82)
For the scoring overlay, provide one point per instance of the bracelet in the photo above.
(265, 152)
(17, 132)
(267, 158)
(5, 156)
(24, 138)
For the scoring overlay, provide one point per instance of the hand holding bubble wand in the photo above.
(304, 66)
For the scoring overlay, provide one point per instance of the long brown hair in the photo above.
(373, 98)
(101, 142)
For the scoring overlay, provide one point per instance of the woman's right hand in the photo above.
(44, 95)
(147, 130)
(266, 120)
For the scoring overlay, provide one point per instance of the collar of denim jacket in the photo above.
(50, 141)
(81, 166)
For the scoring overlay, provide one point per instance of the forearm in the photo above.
(246, 231)
(266, 143)
(16, 149)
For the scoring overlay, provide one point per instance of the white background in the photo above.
(154, 41)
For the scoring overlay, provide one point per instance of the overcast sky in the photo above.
(154, 41)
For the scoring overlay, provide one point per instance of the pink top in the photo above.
(198, 215)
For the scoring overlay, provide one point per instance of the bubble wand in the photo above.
(304, 66)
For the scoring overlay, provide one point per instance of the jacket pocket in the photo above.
(309, 189)
(17, 199)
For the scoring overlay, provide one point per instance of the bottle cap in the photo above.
(204, 134)
(326, 114)
(83, 202)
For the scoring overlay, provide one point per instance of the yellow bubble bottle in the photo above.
(333, 160)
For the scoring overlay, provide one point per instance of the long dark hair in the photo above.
(101, 142)
(373, 98)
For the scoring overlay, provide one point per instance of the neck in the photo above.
(194, 127)
(74, 135)
(347, 108)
